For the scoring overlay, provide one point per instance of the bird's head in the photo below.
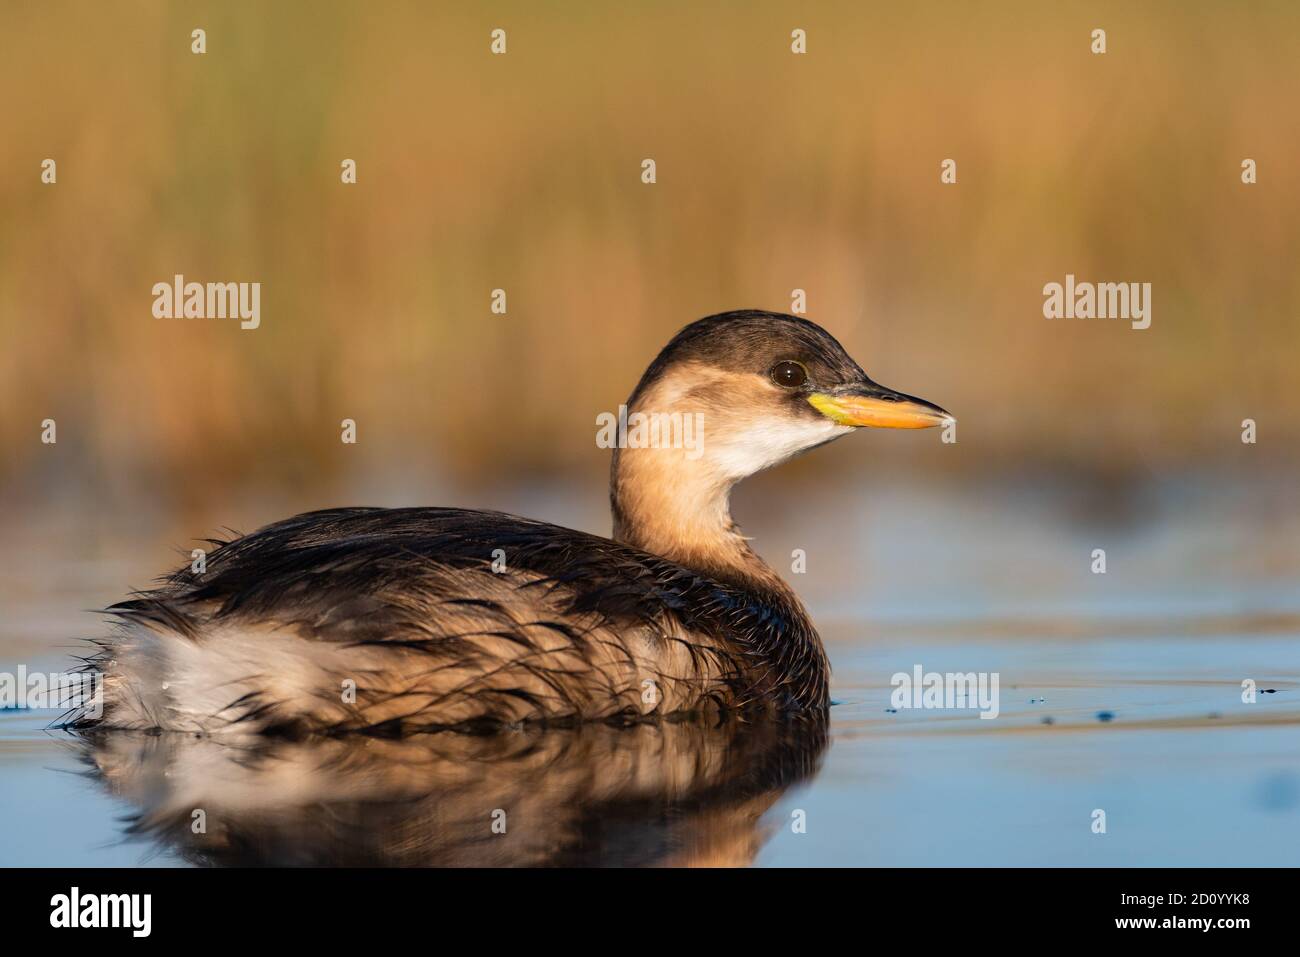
(767, 387)
(752, 389)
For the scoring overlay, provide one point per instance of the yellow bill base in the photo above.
(858, 410)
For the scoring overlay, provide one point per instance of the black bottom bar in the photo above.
(548, 907)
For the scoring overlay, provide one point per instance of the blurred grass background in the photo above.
(522, 171)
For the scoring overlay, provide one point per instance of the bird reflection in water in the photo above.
(650, 794)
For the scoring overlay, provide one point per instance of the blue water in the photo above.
(1186, 773)
(1119, 693)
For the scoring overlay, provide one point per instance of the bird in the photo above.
(389, 621)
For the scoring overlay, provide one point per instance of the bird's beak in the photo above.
(874, 405)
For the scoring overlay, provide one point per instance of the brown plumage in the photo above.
(364, 619)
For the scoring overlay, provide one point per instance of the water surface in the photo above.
(1119, 692)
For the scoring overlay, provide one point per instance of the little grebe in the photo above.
(373, 619)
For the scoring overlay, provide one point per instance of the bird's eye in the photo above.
(789, 374)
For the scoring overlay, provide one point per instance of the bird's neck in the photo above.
(673, 498)
(679, 508)
(684, 516)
